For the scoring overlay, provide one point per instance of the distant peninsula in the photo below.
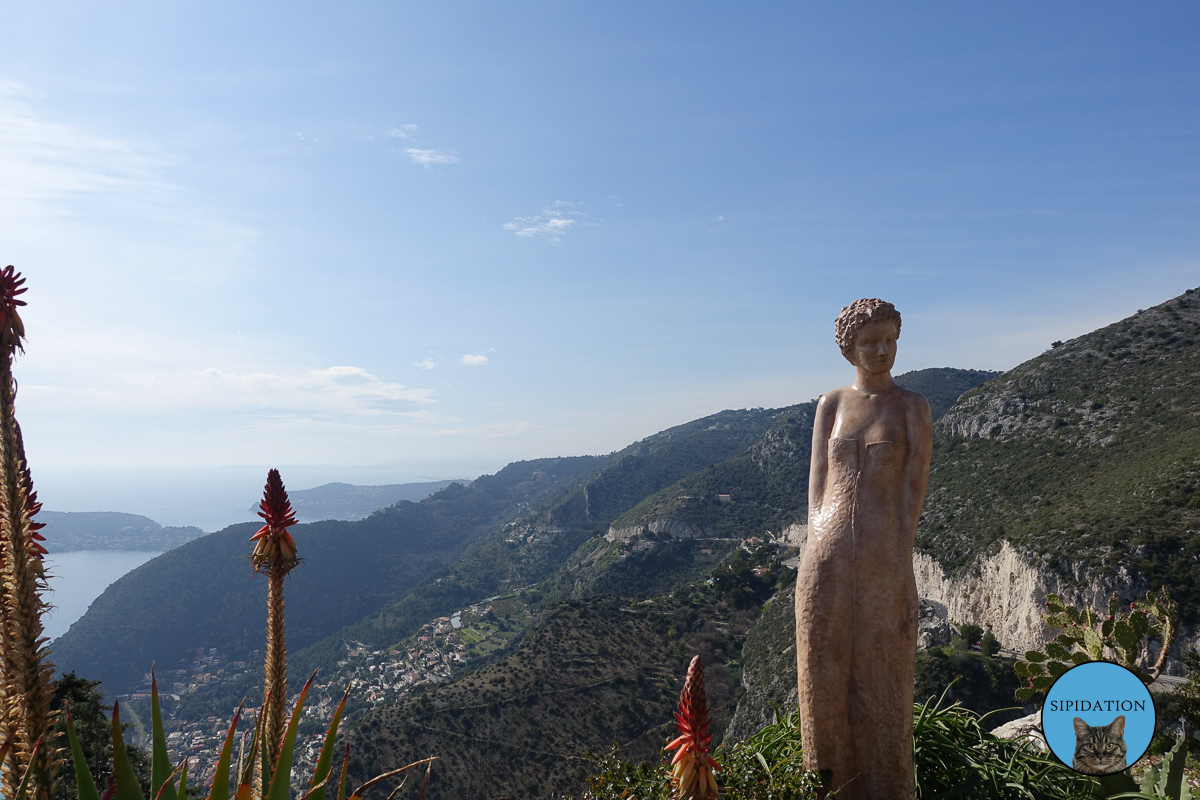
(110, 530)
(346, 501)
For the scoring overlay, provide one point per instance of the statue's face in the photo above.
(875, 346)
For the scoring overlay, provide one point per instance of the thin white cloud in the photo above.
(403, 132)
(425, 363)
(554, 221)
(42, 162)
(474, 360)
(536, 226)
(430, 157)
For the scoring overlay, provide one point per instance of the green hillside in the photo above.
(110, 530)
(202, 594)
(659, 461)
(942, 386)
(592, 672)
(767, 485)
(1086, 456)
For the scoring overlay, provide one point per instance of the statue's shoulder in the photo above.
(830, 399)
(914, 401)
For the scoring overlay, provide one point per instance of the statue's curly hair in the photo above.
(857, 314)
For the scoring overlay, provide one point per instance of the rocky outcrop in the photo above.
(1026, 730)
(1008, 594)
(671, 527)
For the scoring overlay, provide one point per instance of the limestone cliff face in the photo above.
(673, 527)
(1008, 593)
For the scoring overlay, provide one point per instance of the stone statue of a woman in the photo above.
(856, 598)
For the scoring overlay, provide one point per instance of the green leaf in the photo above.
(1056, 650)
(1044, 682)
(325, 761)
(83, 778)
(1124, 636)
(1095, 647)
(1055, 603)
(160, 762)
(1022, 695)
(220, 783)
(1106, 628)
(1080, 657)
(342, 779)
(1056, 668)
(23, 789)
(281, 781)
(245, 782)
(1174, 763)
(127, 782)
(1035, 656)
(183, 778)
(1140, 623)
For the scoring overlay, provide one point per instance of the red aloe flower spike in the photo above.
(692, 767)
(274, 546)
(12, 330)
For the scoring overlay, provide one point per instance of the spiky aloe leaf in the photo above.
(320, 777)
(160, 762)
(220, 783)
(1166, 779)
(245, 780)
(342, 780)
(281, 781)
(313, 790)
(183, 778)
(23, 789)
(83, 777)
(127, 782)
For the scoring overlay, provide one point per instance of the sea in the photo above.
(79, 577)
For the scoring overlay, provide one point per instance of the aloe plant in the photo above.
(1123, 636)
(275, 554)
(26, 674)
(693, 768)
(165, 786)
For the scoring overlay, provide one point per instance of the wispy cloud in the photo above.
(554, 221)
(425, 363)
(429, 157)
(403, 132)
(474, 360)
(42, 161)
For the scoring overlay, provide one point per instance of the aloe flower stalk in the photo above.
(275, 554)
(25, 671)
(692, 768)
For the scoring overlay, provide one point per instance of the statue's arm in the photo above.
(818, 469)
(919, 422)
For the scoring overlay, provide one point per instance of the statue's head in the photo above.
(857, 315)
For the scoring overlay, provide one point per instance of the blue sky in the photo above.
(383, 241)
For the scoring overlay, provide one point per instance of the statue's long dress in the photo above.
(856, 626)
